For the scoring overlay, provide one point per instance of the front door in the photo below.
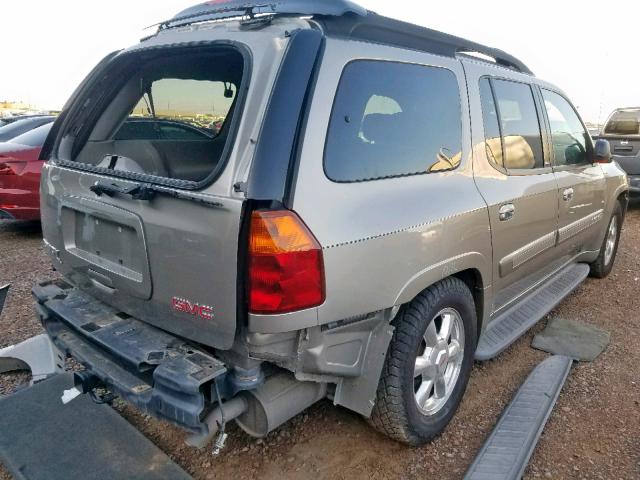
(581, 183)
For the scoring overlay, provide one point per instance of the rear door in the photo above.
(151, 226)
(581, 183)
(513, 174)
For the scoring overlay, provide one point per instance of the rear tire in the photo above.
(603, 265)
(428, 364)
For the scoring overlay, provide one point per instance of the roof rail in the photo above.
(379, 29)
(346, 19)
(223, 9)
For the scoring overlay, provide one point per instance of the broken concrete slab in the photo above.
(573, 339)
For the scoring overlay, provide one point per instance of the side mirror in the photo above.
(602, 151)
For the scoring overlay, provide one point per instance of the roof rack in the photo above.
(379, 29)
(224, 9)
(346, 19)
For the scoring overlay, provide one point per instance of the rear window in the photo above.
(623, 122)
(35, 137)
(169, 117)
(393, 119)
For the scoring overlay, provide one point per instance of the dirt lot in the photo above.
(594, 432)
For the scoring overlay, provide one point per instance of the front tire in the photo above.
(428, 364)
(603, 265)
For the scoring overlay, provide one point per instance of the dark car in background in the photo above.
(20, 168)
(15, 118)
(17, 127)
(622, 130)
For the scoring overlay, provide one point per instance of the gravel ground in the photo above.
(593, 433)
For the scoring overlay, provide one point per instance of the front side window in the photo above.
(568, 135)
(393, 119)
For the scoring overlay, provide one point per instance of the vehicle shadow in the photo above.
(21, 228)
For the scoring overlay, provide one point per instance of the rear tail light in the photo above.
(12, 168)
(285, 264)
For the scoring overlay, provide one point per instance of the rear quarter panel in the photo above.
(385, 241)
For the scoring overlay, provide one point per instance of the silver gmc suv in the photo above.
(265, 205)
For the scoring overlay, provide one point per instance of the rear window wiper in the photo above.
(146, 192)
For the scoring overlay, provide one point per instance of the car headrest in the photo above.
(378, 127)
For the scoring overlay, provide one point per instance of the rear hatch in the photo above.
(622, 130)
(139, 207)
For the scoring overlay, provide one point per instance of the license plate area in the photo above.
(105, 247)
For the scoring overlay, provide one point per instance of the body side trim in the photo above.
(579, 226)
(528, 252)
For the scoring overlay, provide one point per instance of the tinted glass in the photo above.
(393, 119)
(568, 135)
(34, 138)
(19, 127)
(493, 140)
(624, 122)
(520, 125)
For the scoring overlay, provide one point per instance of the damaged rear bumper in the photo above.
(158, 373)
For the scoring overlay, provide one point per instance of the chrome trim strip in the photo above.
(526, 253)
(579, 226)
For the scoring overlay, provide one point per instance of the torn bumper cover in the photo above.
(158, 373)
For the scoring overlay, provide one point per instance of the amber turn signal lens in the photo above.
(285, 264)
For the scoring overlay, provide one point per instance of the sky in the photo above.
(47, 47)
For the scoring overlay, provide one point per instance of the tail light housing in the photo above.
(286, 272)
(12, 168)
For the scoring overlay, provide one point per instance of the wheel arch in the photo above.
(473, 279)
(623, 199)
(472, 268)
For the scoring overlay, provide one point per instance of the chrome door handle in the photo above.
(506, 212)
(567, 194)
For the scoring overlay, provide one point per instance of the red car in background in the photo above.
(20, 175)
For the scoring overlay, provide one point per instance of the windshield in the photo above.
(34, 138)
(624, 122)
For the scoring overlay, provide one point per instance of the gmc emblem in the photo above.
(183, 305)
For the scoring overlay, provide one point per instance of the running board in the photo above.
(507, 451)
(516, 321)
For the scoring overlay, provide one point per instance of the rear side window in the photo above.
(519, 127)
(623, 122)
(493, 138)
(393, 119)
(568, 135)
